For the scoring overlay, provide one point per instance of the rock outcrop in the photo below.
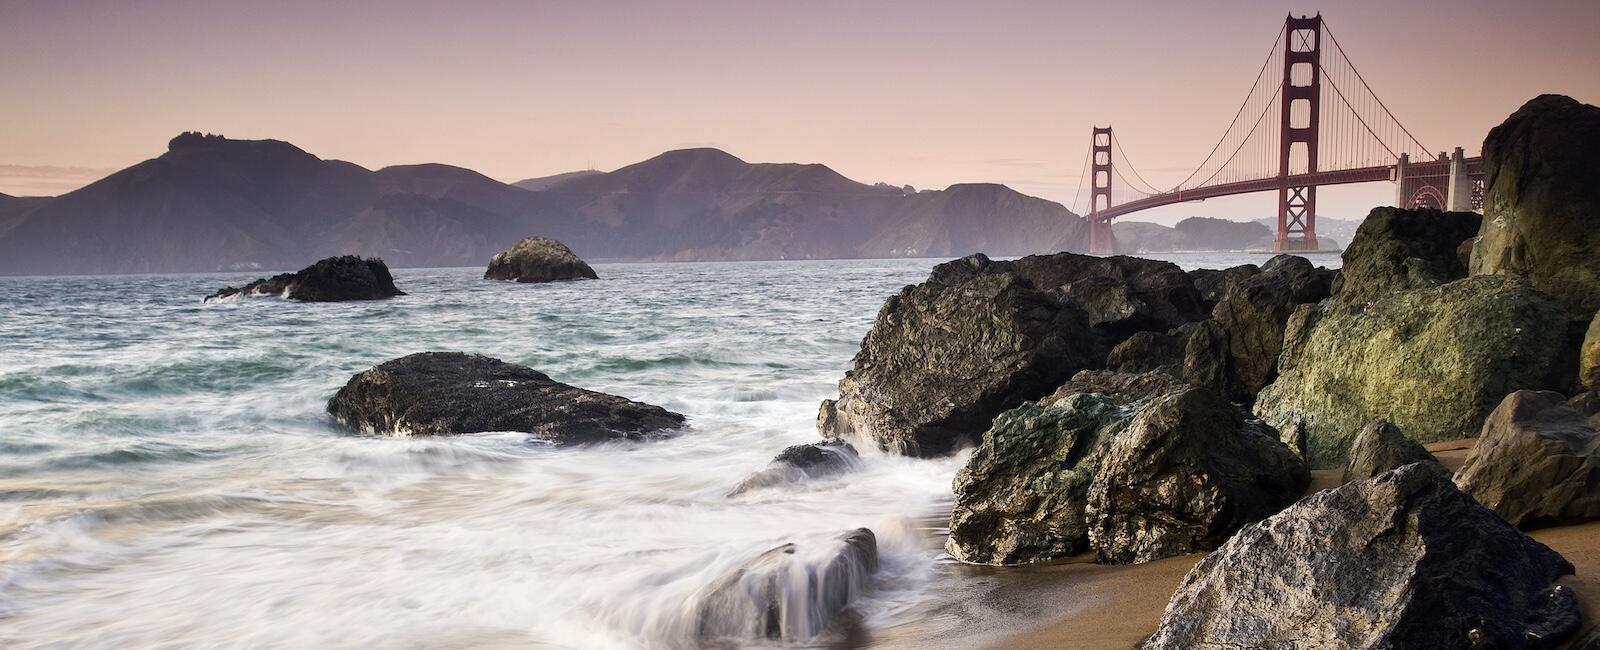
(1124, 388)
(1237, 351)
(1381, 447)
(1395, 250)
(1188, 471)
(1589, 356)
(437, 393)
(1432, 361)
(1404, 560)
(1213, 284)
(538, 259)
(798, 463)
(1021, 496)
(1152, 351)
(946, 356)
(334, 279)
(788, 593)
(1537, 462)
(1541, 203)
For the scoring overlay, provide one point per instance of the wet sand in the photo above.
(1117, 606)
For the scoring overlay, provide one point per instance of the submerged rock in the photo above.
(1188, 471)
(1541, 202)
(1381, 447)
(437, 393)
(946, 356)
(1537, 462)
(789, 593)
(334, 279)
(1404, 560)
(1432, 361)
(798, 463)
(538, 259)
(1395, 250)
(1021, 497)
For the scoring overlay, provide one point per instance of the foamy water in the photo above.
(168, 476)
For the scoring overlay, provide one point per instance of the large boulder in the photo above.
(1380, 447)
(1404, 560)
(1213, 284)
(946, 356)
(1537, 462)
(1152, 351)
(798, 463)
(437, 393)
(1188, 471)
(1124, 388)
(1021, 496)
(1589, 357)
(1396, 249)
(1541, 203)
(1432, 361)
(334, 279)
(538, 259)
(1236, 352)
(1141, 295)
(788, 593)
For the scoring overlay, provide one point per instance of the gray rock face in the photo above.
(335, 279)
(1381, 447)
(1188, 471)
(1237, 351)
(1537, 462)
(538, 259)
(799, 463)
(788, 593)
(1432, 361)
(1395, 250)
(1404, 560)
(946, 356)
(1021, 496)
(438, 393)
(1122, 387)
(1541, 202)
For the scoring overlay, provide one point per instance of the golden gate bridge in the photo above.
(1319, 123)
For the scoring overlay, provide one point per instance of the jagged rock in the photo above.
(1188, 471)
(334, 279)
(538, 259)
(1165, 295)
(798, 463)
(1152, 351)
(1541, 202)
(1122, 387)
(1236, 352)
(1404, 560)
(1021, 496)
(436, 393)
(786, 594)
(1381, 447)
(946, 356)
(1589, 358)
(1537, 462)
(1432, 361)
(1396, 249)
(1213, 284)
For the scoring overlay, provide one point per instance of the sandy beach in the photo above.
(1117, 606)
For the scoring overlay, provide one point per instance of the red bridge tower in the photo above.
(1297, 152)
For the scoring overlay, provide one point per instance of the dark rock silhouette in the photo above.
(1213, 284)
(538, 259)
(805, 462)
(335, 279)
(438, 393)
(1397, 249)
(1236, 352)
(1404, 560)
(1121, 387)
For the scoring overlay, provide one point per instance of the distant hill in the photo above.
(212, 203)
(1331, 232)
(1192, 234)
(543, 183)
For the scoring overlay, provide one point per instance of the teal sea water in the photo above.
(169, 478)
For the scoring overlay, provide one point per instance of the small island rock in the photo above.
(538, 259)
(334, 279)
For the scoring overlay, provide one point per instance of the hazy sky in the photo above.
(919, 92)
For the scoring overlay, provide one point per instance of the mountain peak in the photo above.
(195, 141)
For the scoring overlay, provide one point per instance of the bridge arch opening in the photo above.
(1428, 197)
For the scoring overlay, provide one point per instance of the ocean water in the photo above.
(169, 477)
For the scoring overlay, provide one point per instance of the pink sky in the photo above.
(925, 93)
